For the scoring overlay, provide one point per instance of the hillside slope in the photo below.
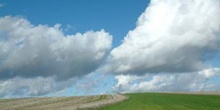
(168, 101)
(60, 103)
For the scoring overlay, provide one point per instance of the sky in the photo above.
(116, 17)
(71, 48)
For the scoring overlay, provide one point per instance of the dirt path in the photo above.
(61, 103)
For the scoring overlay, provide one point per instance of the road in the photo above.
(61, 103)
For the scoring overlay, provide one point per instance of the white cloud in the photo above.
(40, 60)
(23, 87)
(196, 81)
(124, 82)
(32, 51)
(171, 36)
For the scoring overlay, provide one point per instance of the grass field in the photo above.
(165, 101)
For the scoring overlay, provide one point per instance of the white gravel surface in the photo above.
(61, 103)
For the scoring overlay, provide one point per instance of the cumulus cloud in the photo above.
(38, 60)
(171, 36)
(23, 87)
(31, 51)
(196, 81)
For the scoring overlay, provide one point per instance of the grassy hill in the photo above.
(135, 101)
(167, 101)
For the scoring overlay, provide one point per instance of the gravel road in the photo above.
(61, 103)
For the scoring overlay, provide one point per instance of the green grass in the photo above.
(163, 101)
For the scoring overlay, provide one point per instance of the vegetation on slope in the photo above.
(165, 101)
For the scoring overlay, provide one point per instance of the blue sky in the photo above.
(86, 47)
(115, 16)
